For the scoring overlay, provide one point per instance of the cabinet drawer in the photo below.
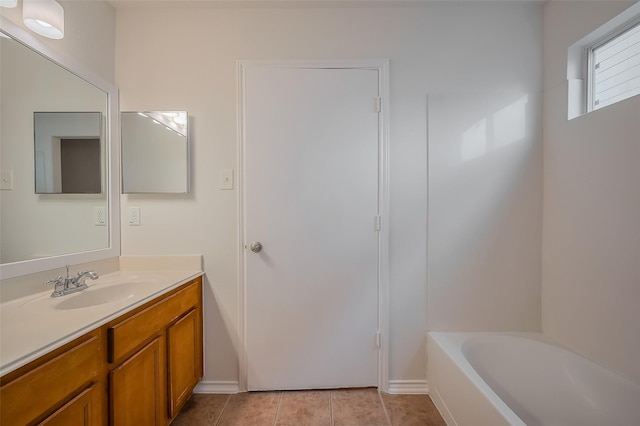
(129, 334)
(51, 384)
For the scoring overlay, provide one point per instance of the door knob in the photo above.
(255, 246)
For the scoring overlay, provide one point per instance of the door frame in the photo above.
(382, 66)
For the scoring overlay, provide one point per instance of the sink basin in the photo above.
(108, 290)
(98, 296)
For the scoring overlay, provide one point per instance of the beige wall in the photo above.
(185, 58)
(591, 239)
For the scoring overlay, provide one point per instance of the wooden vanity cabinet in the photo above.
(136, 388)
(155, 358)
(59, 388)
(83, 409)
(138, 369)
(184, 352)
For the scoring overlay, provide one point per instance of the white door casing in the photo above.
(313, 179)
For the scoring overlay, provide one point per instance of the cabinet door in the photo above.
(83, 410)
(184, 349)
(27, 397)
(136, 388)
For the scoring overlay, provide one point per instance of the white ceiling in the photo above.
(304, 3)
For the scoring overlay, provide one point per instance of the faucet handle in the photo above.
(53, 281)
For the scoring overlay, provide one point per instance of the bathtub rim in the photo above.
(451, 345)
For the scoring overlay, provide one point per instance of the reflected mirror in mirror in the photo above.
(67, 152)
(155, 152)
(38, 225)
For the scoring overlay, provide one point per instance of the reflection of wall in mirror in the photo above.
(32, 225)
(60, 154)
(154, 157)
(80, 166)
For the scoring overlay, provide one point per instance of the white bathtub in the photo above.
(494, 379)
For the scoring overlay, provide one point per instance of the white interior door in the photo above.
(310, 198)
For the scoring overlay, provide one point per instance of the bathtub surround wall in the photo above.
(185, 57)
(485, 215)
(591, 238)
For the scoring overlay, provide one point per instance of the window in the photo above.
(603, 67)
(614, 68)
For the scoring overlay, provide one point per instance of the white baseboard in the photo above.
(211, 386)
(408, 387)
(395, 387)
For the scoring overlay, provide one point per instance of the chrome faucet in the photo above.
(68, 285)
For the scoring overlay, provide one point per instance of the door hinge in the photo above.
(377, 222)
(378, 340)
(378, 104)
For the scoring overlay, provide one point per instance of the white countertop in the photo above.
(32, 326)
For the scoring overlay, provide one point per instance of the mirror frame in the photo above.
(112, 185)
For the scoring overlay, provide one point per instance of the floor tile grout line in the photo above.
(384, 408)
(331, 408)
(275, 418)
(219, 419)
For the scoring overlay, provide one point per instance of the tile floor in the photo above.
(346, 407)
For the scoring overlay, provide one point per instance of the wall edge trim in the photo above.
(217, 386)
(408, 387)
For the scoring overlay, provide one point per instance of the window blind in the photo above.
(616, 68)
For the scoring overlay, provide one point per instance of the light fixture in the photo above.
(181, 118)
(8, 3)
(45, 17)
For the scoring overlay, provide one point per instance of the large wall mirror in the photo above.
(155, 152)
(57, 123)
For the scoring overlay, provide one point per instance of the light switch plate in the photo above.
(100, 218)
(6, 179)
(226, 179)
(134, 216)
